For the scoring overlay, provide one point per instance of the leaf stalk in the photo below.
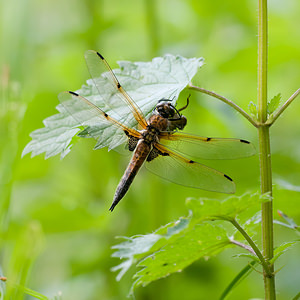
(225, 100)
(256, 250)
(272, 119)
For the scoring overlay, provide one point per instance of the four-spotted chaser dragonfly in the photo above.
(156, 142)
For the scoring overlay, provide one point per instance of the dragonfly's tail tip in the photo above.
(112, 207)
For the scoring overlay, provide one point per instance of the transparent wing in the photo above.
(97, 123)
(208, 148)
(178, 169)
(100, 70)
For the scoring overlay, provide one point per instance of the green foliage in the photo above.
(209, 209)
(146, 82)
(32, 293)
(273, 104)
(243, 274)
(68, 200)
(203, 240)
(253, 110)
(175, 246)
(281, 250)
(297, 296)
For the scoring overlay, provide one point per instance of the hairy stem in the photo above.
(264, 149)
(246, 247)
(225, 100)
(253, 246)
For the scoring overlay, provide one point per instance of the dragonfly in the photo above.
(156, 142)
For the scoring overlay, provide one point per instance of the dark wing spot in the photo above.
(132, 142)
(244, 141)
(100, 55)
(126, 132)
(105, 115)
(73, 93)
(208, 139)
(191, 162)
(119, 85)
(226, 176)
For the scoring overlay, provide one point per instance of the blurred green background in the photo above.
(56, 231)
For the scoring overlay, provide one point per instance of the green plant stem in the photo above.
(225, 100)
(253, 246)
(237, 279)
(271, 120)
(264, 149)
(246, 247)
(297, 297)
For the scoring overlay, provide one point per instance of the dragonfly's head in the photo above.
(168, 111)
(165, 108)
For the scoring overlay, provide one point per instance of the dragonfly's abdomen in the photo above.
(139, 156)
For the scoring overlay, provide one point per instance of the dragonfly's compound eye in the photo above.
(165, 109)
(182, 122)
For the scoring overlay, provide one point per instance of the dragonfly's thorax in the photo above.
(175, 120)
(150, 135)
(157, 123)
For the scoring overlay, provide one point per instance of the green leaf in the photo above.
(35, 294)
(253, 109)
(145, 82)
(297, 297)
(273, 104)
(245, 272)
(202, 241)
(137, 247)
(29, 291)
(175, 246)
(209, 209)
(282, 249)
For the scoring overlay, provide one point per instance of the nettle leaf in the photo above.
(252, 225)
(282, 249)
(273, 104)
(137, 247)
(146, 82)
(175, 246)
(209, 209)
(204, 240)
(253, 109)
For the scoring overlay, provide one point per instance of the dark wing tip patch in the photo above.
(100, 55)
(73, 93)
(244, 141)
(208, 139)
(191, 161)
(226, 176)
